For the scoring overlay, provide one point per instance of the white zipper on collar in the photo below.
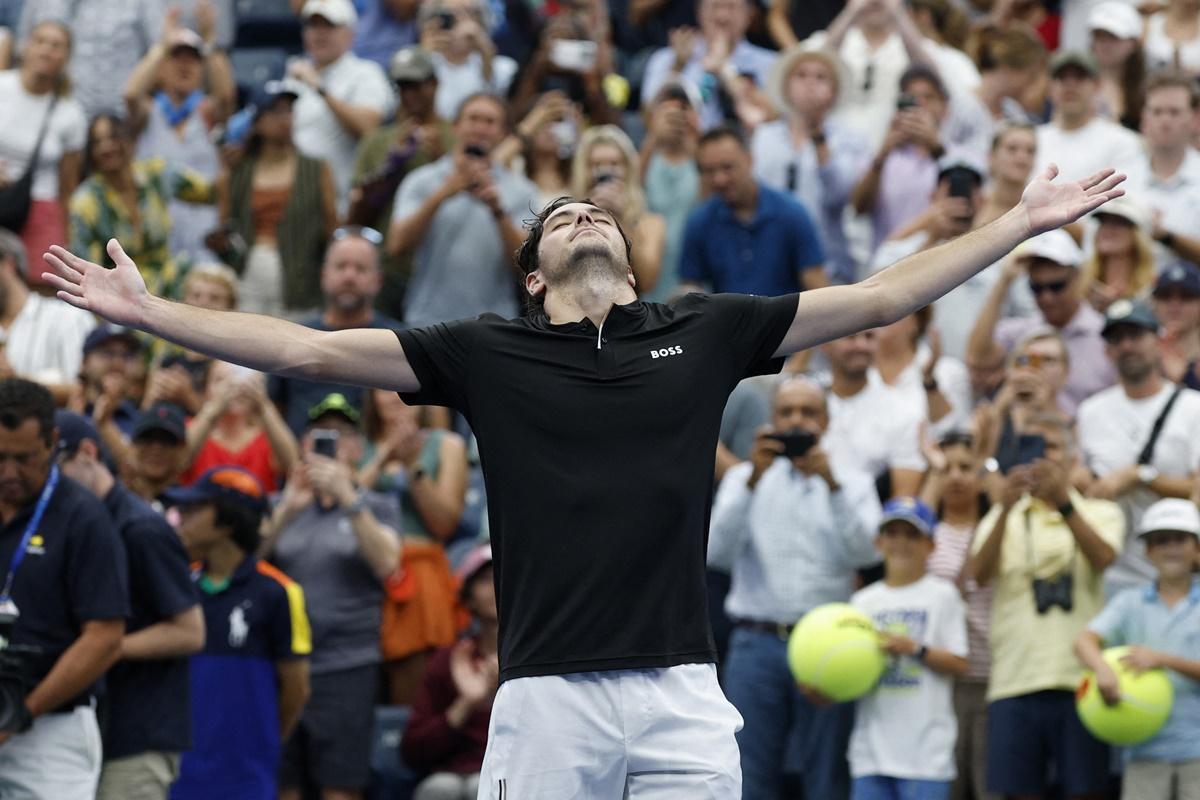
(599, 333)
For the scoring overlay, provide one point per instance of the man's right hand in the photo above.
(119, 294)
(1016, 484)
(763, 454)
(1109, 685)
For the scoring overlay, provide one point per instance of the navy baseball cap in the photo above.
(108, 331)
(221, 482)
(1128, 312)
(266, 95)
(165, 417)
(1181, 275)
(73, 429)
(912, 511)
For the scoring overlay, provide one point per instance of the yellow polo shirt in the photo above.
(1032, 652)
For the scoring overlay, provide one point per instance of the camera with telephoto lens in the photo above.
(15, 681)
(1051, 592)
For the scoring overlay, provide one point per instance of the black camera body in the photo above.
(796, 443)
(1056, 591)
(15, 678)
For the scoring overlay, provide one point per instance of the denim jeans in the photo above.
(783, 732)
(881, 787)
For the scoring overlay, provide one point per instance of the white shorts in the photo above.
(57, 759)
(639, 734)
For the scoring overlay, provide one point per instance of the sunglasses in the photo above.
(361, 231)
(1054, 287)
(1034, 360)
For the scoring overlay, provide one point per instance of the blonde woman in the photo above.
(607, 170)
(1121, 261)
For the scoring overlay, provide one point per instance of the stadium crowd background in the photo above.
(371, 164)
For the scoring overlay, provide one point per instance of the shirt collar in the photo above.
(1150, 595)
(621, 318)
(765, 209)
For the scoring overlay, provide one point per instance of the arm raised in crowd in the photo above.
(836, 311)
(352, 356)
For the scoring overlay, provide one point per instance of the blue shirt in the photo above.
(1139, 616)
(763, 257)
(379, 34)
(149, 700)
(254, 622)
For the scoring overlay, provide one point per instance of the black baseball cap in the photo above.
(226, 482)
(108, 331)
(1181, 275)
(166, 417)
(1128, 312)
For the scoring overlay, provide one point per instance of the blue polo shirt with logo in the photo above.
(1139, 616)
(253, 623)
(74, 572)
(764, 256)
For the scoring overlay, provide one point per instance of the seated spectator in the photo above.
(109, 37)
(730, 72)
(747, 237)
(1157, 621)
(869, 434)
(607, 170)
(1076, 139)
(1044, 549)
(1121, 262)
(1012, 72)
(456, 35)
(792, 531)
(1052, 261)
(905, 727)
(389, 154)
(461, 217)
(1176, 303)
(1116, 33)
(250, 684)
(909, 361)
(277, 207)
(342, 98)
(447, 732)
(350, 282)
(816, 160)
(1140, 438)
(147, 696)
(670, 175)
(1167, 173)
(39, 115)
(43, 336)
(1172, 38)
(343, 577)
(954, 490)
(542, 146)
(239, 425)
(175, 97)
(386, 27)
(105, 376)
(127, 199)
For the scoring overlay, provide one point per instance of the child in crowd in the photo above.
(1161, 623)
(902, 747)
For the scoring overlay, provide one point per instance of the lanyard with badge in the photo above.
(9, 613)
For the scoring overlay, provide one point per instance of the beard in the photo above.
(349, 302)
(587, 264)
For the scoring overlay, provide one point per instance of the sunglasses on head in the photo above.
(361, 231)
(1054, 287)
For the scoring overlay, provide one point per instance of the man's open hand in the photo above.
(1051, 205)
(119, 295)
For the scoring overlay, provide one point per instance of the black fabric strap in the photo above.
(1148, 451)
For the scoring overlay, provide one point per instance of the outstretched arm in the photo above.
(267, 344)
(831, 313)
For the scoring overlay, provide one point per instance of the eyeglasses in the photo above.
(1034, 360)
(1054, 287)
(359, 231)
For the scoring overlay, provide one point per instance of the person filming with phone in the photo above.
(792, 532)
(1044, 549)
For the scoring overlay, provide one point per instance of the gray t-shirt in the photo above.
(461, 268)
(318, 550)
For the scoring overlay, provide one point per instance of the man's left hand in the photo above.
(1140, 659)
(1115, 483)
(330, 477)
(816, 462)
(1048, 482)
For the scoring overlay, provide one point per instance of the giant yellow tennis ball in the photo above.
(1144, 706)
(835, 650)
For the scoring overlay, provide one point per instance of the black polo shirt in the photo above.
(74, 572)
(148, 700)
(597, 450)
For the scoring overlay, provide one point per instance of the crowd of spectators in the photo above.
(338, 621)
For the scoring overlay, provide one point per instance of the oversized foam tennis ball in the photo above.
(835, 650)
(1144, 706)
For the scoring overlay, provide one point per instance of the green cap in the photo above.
(335, 403)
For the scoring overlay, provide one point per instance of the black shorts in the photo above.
(331, 747)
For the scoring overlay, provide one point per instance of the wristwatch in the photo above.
(922, 651)
(1146, 473)
(930, 384)
(1066, 509)
(359, 505)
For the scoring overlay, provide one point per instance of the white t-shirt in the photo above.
(1161, 52)
(1113, 429)
(457, 82)
(45, 341)
(1177, 198)
(21, 116)
(953, 380)
(317, 132)
(873, 432)
(906, 727)
(1087, 150)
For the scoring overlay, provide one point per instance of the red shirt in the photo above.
(256, 457)
(429, 742)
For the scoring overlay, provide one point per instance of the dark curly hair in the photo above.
(527, 254)
(21, 400)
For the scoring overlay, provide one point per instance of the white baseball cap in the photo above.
(1127, 208)
(1056, 245)
(1171, 514)
(1120, 19)
(339, 12)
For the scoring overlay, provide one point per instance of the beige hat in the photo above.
(1127, 208)
(786, 62)
(339, 12)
